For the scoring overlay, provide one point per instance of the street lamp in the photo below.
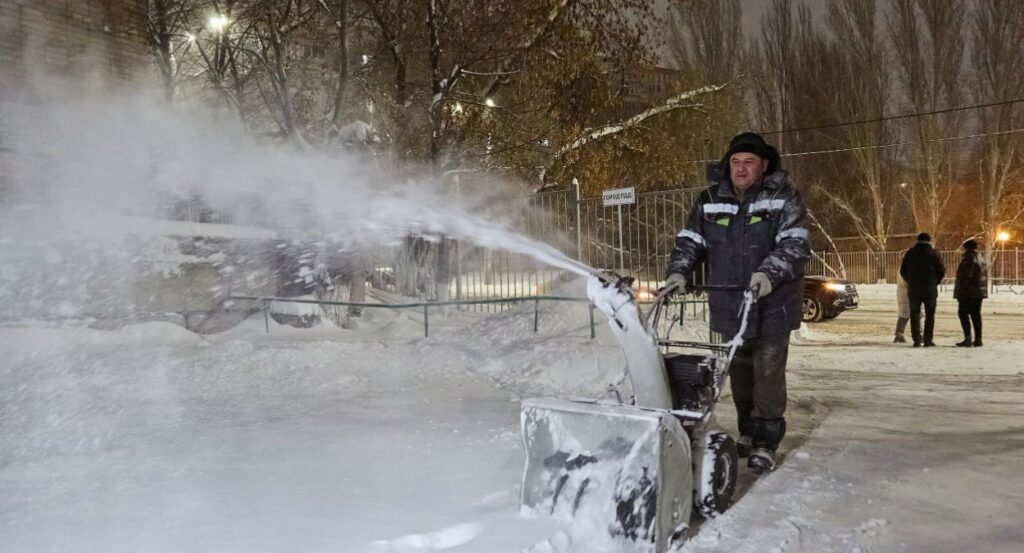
(489, 102)
(217, 22)
(1002, 237)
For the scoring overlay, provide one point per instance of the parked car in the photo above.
(827, 297)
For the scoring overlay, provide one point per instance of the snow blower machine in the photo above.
(642, 464)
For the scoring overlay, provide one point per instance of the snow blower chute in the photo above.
(640, 467)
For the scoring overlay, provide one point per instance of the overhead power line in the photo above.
(908, 143)
(895, 117)
(880, 146)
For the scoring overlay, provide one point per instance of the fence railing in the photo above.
(631, 240)
(680, 308)
(326, 305)
(1005, 267)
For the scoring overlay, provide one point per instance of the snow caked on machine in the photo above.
(638, 465)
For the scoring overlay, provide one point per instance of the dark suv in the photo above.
(827, 297)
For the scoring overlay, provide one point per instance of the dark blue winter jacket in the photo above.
(766, 232)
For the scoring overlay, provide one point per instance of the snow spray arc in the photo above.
(85, 163)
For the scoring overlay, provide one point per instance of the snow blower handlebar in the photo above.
(665, 294)
(651, 319)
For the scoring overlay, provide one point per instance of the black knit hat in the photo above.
(752, 143)
(970, 245)
(924, 237)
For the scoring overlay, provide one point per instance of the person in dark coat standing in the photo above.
(970, 289)
(923, 270)
(749, 227)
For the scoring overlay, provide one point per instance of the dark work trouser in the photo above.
(915, 319)
(969, 311)
(758, 379)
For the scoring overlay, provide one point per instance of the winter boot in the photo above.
(977, 343)
(761, 460)
(767, 435)
(743, 446)
(966, 343)
(901, 326)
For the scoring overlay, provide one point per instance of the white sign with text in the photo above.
(619, 196)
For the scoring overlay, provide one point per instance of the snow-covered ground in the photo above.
(152, 438)
(882, 297)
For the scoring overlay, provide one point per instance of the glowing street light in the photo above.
(1002, 237)
(191, 37)
(489, 102)
(217, 22)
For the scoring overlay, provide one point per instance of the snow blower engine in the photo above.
(641, 466)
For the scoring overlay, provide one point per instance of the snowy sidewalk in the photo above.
(910, 451)
(154, 439)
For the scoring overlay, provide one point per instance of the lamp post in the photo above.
(1002, 237)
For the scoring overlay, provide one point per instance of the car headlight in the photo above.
(835, 286)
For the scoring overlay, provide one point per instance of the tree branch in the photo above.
(592, 134)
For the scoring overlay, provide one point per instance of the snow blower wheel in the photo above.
(715, 475)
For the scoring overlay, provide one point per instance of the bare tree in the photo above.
(684, 100)
(869, 197)
(168, 35)
(220, 42)
(706, 38)
(338, 11)
(273, 21)
(997, 46)
(778, 74)
(393, 21)
(928, 40)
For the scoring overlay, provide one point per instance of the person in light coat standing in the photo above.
(902, 310)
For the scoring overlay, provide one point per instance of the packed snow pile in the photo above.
(558, 360)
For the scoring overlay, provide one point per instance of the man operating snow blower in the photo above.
(749, 228)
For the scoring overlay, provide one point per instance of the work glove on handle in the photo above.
(674, 284)
(760, 285)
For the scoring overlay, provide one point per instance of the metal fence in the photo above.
(1004, 266)
(636, 240)
(633, 240)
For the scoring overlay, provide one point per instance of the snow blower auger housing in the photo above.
(642, 465)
